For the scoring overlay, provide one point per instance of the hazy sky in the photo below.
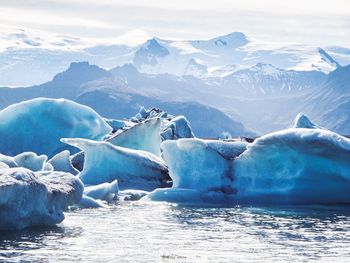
(320, 22)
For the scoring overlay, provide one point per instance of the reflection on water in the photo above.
(144, 232)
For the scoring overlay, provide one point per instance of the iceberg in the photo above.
(35, 198)
(293, 166)
(302, 121)
(106, 191)
(201, 170)
(143, 136)
(61, 162)
(134, 169)
(38, 125)
(176, 128)
(30, 161)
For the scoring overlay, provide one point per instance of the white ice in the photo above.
(62, 162)
(143, 136)
(38, 125)
(30, 199)
(200, 170)
(30, 161)
(105, 191)
(178, 127)
(134, 169)
(302, 121)
(293, 166)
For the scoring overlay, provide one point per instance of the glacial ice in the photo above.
(105, 191)
(61, 162)
(30, 161)
(143, 136)
(293, 166)
(105, 162)
(200, 170)
(115, 124)
(176, 128)
(88, 202)
(37, 126)
(302, 121)
(29, 199)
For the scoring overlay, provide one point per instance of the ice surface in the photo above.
(302, 121)
(3, 166)
(61, 162)
(8, 160)
(143, 136)
(201, 170)
(105, 191)
(178, 127)
(37, 125)
(30, 161)
(88, 202)
(30, 199)
(293, 166)
(115, 124)
(134, 169)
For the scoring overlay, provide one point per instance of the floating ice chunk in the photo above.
(10, 161)
(30, 161)
(61, 162)
(200, 170)
(143, 136)
(105, 191)
(30, 199)
(115, 124)
(131, 194)
(178, 127)
(302, 121)
(105, 162)
(295, 166)
(37, 125)
(88, 202)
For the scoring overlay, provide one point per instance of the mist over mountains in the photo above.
(229, 83)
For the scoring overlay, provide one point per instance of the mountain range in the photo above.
(229, 83)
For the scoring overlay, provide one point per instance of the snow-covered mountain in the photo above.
(112, 97)
(38, 56)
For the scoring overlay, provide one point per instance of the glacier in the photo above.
(105, 162)
(35, 198)
(292, 166)
(38, 125)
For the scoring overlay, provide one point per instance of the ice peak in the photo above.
(302, 121)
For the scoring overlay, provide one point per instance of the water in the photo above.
(157, 232)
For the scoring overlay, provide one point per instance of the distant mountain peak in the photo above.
(80, 72)
(148, 53)
(327, 58)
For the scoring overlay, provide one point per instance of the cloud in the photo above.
(322, 22)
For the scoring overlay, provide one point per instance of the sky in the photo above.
(316, 22)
